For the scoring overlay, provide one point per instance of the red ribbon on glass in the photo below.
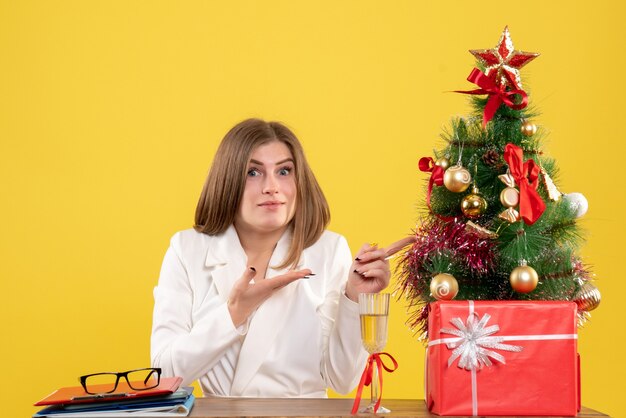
(497, 94)
(427, 165)
(366, 378)
(526, 175)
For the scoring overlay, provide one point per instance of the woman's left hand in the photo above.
(370, 272)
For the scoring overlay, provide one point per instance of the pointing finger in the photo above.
(398, 245)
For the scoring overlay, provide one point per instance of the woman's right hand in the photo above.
(370, 271)
(246, 297)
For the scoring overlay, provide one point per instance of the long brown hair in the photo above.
(224, 186)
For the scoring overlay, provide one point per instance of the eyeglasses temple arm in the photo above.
(148, 377)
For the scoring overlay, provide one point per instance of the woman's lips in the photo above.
(271, 205)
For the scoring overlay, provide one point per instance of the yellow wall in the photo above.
(110, 113)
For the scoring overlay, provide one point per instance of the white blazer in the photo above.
(303, 339)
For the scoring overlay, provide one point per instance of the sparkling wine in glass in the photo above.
(374, 311)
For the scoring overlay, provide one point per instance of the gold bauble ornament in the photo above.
(588, 297)
(524, 278)
(444, 286)
(443, 162)
(473, 205)
(457, 179)
(528, 128)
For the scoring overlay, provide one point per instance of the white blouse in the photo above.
(303, 339)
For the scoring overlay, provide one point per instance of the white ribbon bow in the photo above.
(474, 343)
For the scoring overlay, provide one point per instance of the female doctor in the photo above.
(258, 299)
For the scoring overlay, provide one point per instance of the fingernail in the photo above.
(357, 259)
(312, 274)
(253, 269)
(356, 271)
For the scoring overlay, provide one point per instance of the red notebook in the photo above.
(76, 394)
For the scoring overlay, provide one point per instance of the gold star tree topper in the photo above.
(503, 62)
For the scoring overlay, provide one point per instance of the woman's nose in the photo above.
(271, 185)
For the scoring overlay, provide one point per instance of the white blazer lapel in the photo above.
(267, 322)
(228, 259)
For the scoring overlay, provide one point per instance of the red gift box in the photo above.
(502, 358)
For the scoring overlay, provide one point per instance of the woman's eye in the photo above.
(285, 171)
(253, 172)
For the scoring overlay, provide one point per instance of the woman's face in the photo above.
(269, 196)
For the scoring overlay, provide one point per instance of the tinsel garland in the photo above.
(472, 260)
(471, 254)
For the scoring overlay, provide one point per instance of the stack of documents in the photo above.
(165, 400)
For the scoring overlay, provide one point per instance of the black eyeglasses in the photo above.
(139, 379)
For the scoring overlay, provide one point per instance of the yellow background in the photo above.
(110, 113)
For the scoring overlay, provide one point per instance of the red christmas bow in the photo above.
(497, 94)
(526, 175)
(427, 164)
(366, 378)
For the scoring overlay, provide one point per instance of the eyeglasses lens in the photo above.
(101, 383)
(143, 379)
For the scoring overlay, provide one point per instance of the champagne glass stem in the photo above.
(375, 391)
(374, 386)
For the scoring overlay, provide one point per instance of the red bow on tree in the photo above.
(497, 94)
(427, 164)
(374, 360)
(526, 175)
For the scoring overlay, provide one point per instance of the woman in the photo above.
(258, 299)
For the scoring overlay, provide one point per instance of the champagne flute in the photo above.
(374, 311)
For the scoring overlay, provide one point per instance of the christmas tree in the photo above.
(496, 225)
